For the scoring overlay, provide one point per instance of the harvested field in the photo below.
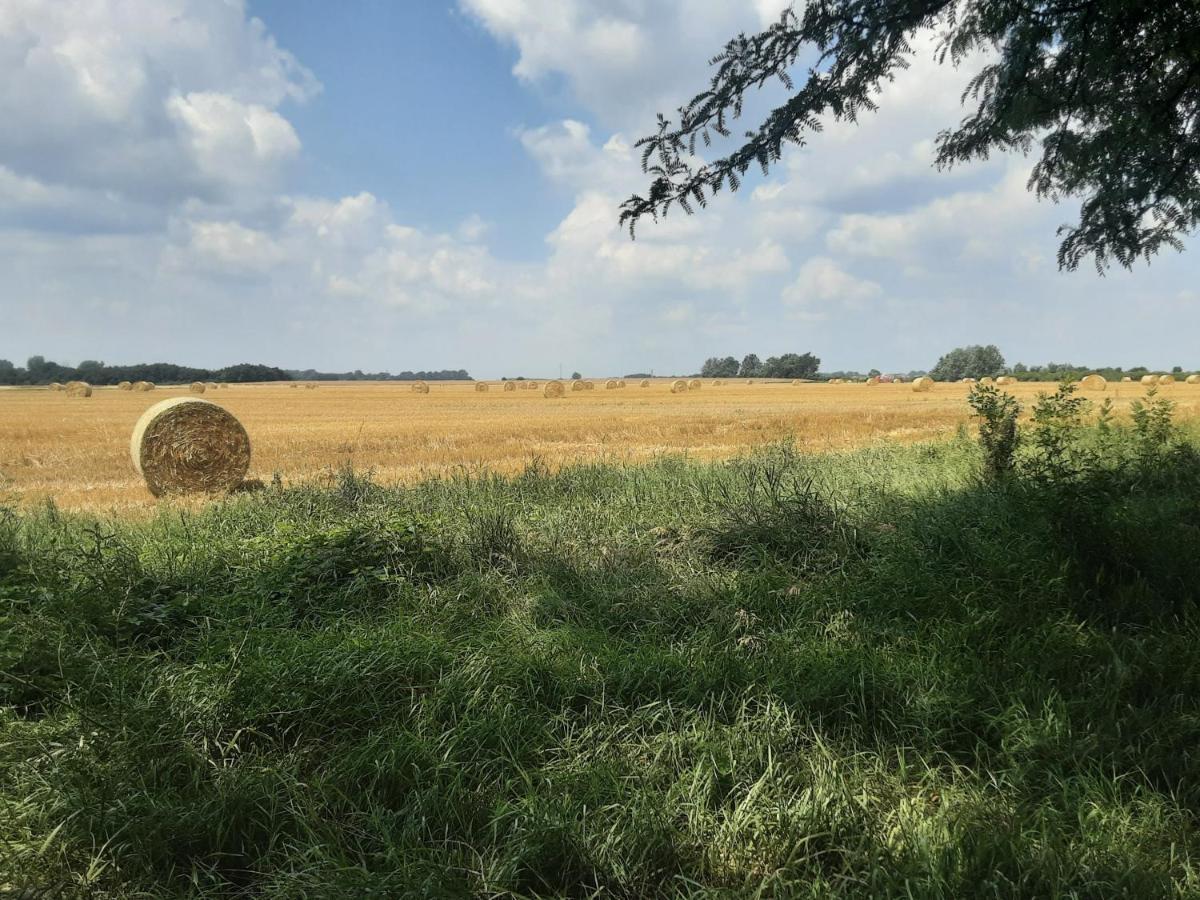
(77, 453)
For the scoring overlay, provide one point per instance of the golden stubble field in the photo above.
(76, 451)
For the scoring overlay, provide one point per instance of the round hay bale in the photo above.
(481, 387)
(922, 384)
(533, 385)
(578, 386)
(124, 385)
(1006, 379)
(589, 385)
(621, 383)
(143, 386)
(645, 383)
(1193, 379)
(874, 379)
(420, 387)
(211, 385)
(987, 379)
(78, 389)
(554, 389)
(196, 387)
(189, 446)
(510, 385)
(968, 380)
(310, 387)
(610, 385)
(796, 381)
(1126, 380)
(899, 379)
(694, 384)
(55, 386)
(1166, 379)
(1093, 382)
(1149, 379)
(679, 386)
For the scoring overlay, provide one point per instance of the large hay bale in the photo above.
(578, 386)
(679, 386)
(1093, 382)
(143, 386)
(554, 389)
(481, 387)
(54, 386)
(923, 384)
(1193, 379)
(420, 387)
(694, 384)
(510, 385)
(645, 383)
(196, 387)
(78, 389)
(610, 385)
(1149, 379)
(1166, 379)
(124, 385)
(186, 446)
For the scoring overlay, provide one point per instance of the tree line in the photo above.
(39, 370)
(983, 361)
(789, 365)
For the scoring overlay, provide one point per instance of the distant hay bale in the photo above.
(589, 385)
(143, 386)
(293, 385)
(1006, 379)
(196, 387)
(420, 387)
(621, 383)
(922, 384)
(873, 379)
(78, 389)
(1166, 379)
(554, 389)
(694, 384)
(224, 385)
(899, 379)
(610, 385)
(645, 383)
(1193, 379)
(510, 385)
(55, 386)
(1093, 382)
(796, 381)
(968, 380)
(1126, 380)
(124, 385)
(1149, 379)
(481, 387)
(987, 379)
(578, 385)
(679, 386)
(211, 385)
(311, 387)
(184, 446)
(533, 385)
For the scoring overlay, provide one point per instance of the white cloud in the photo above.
(822, 282)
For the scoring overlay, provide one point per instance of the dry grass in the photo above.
(77, 454)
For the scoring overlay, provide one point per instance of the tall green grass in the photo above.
(873, 674)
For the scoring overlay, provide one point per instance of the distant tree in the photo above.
(1020, 369)
(1176, 369)
(575, 376)
(716, 367)
(1109, 89)
(792, 365)
(969, 362)
(874, 373)
(751, 366)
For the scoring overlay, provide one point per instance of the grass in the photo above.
(856, 675)
(76, 452)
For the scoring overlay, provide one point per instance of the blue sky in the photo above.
(384, 185)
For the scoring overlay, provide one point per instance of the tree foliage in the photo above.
(969, 362)
(1108, 89)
